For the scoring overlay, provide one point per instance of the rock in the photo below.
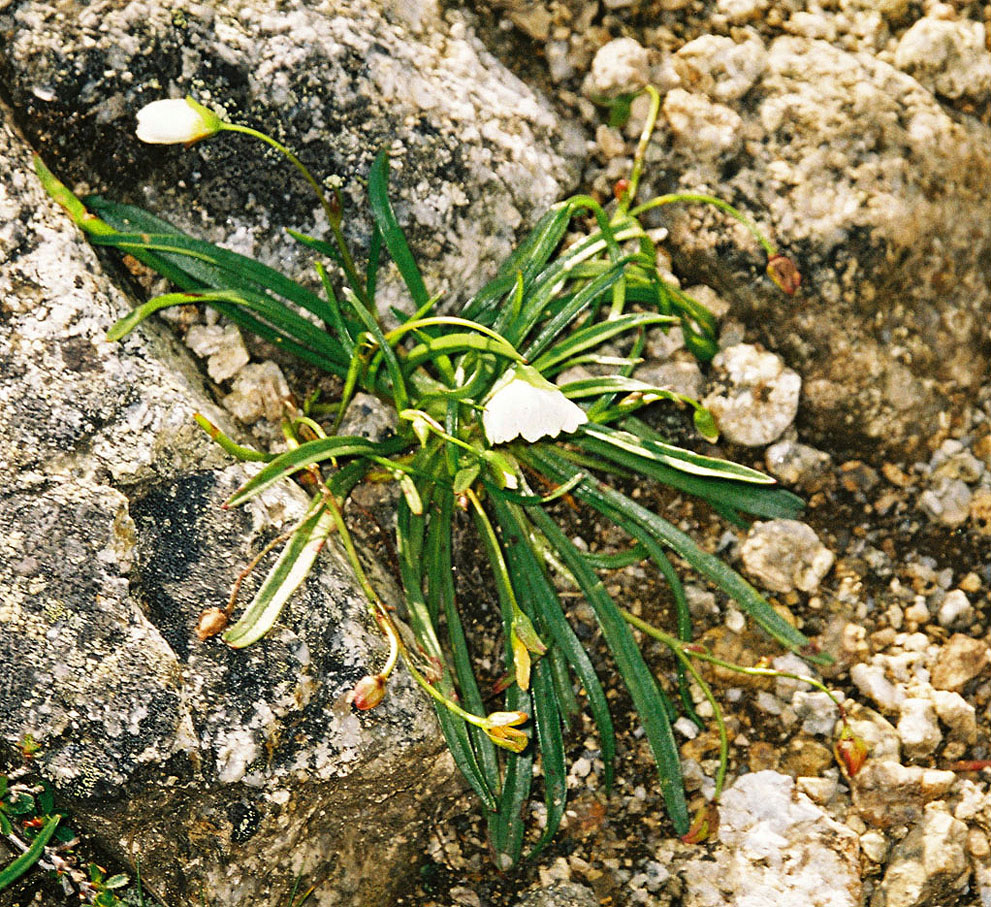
(560, 894)
(719, 67)
(682, 377)
(887, 794)
(620, 67)
(817, 712)
(874, 220)
(980, 511)
(917, 727)
(929, 866)
(947, 501)
(223, 346)
(949, 58)
(784, 555)
(755, 396)
(259, 392)
(701, 126)
(958, 715)
(872, 683)
(476, 155)
(230, 770)
(955, 611)
(798, 464)
(960, 659)
(874, 846)
(777, 847)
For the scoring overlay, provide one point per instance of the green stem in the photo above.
(676, 197)
(640, 153)
(333, 214)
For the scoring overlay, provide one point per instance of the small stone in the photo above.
(719, 66)
(871, 681)
(980, 510)
(817, 712)
(956, 611)
(673, 375)
(700, 125)
(819, 790)
(559, 894)
(797, 464)
(874, 846)
(888, 793)
(224, 347)
(957, 715)
(260, 391)
(929, 866)
(959, 660)
(755, 398)
(785, 555)
(947, 502)
(620, 67)
(949, 58)
(735, 620)
(918, 728)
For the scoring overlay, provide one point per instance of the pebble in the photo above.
(259, 392)
(755, 397)
(798, 464)
(559, 894)
(955, 611)
(785, 555)
(888, 794)
(620, 67)
(957, 715)
(702, 126)
(930, 865)
(817, 712)
(224, 347)
(960, 659)
(949, 58)
(947, 501)
(874, 846)
(682, 377)
(980, 510)
(719, 66)
(872, 682)
(918, 728)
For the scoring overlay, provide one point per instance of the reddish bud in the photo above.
(704, 826)
(368, 692)
(621, 188)
(211, 622)
(783, 272)
(850, 751)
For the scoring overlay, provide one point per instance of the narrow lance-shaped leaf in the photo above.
(291, 568)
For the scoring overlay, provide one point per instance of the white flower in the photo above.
(525, 403)
(171, 122)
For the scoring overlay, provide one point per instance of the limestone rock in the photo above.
(929, 866)
(880, 196)
(230, 769)
(776, 845)
(950, 58)
(619, 67)
(959, 660)
(755, 395)
(475, 154)
(887, 793)
(784, 555)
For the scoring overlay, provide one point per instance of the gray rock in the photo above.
(476, 155)
(918, 728)
(929, 866)
(875, 216)
(754, 397)
(798, 464)
(560, 894)
(887, 794)
(619, 67)
(784, 555)
(874, 684)
(948, 57)
(947, 501)
(230, 769)
(778, 847)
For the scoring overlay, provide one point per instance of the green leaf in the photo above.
(633, 669)
(19, 803)
(616, 506)
(392, 234)
(547, 720)
(677, 457)
(312, 452)
(116, 881)
(592, 336)
(26, 860)
(291, 568)
(507, 829)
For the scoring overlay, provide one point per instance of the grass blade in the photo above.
(291, 568)
(15, 869)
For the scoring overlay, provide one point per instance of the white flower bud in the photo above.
(525, 403)
(176, 121)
